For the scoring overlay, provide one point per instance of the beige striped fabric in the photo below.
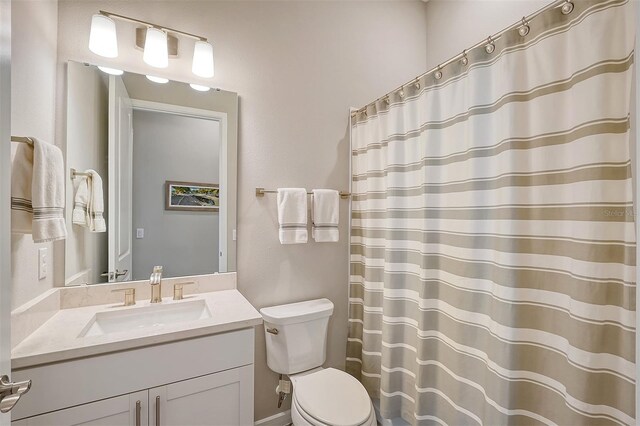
(493, 233)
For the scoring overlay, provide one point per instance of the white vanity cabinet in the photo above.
(122, 410)
(212, 400)
(201, 381)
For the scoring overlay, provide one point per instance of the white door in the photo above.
(125, 410)
(120, 180)
(220, 399)
(5, 194)
(9, 392)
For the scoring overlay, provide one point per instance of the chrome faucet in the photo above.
(156, 284)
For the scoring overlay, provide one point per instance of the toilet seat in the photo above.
(331, 397)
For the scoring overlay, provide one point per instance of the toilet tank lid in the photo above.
(297, 312)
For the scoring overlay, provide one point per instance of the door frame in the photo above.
(116, 86)
(5, 194)
(636, 123)
(221, 118)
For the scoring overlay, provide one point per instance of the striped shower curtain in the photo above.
(493, 234)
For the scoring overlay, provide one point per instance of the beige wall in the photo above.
(452, 26)
(297, 67)
(86, 253)
(33, 99)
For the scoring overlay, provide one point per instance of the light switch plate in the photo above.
(139, 233)
(42, 263)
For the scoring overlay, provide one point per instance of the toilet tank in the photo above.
(296, 335)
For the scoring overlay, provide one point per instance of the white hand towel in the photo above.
(292, 215)
(325, 214)
(41, 167)
(21, 178)
(95, 207)
(81, 203)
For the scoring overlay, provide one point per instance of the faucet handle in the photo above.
(129, 295)
(178, 290)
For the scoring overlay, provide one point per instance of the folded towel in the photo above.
(21, 178)
(80, 203)
(325, 215)
(95, 206)
(43, 168)
(292, 215)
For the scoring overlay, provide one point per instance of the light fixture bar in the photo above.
(151, 25)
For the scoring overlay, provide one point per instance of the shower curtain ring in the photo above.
(417, 83)
(490, 46)
(567, 7)
(464, 60)
(524, 29)
(401, 92)
(438, 73)
(387, 100)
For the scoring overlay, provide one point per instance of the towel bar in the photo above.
(75, 173)
(22, 139)
(261, 191)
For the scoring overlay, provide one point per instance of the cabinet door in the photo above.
(125, 410)
(220, 399)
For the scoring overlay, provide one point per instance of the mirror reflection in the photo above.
(152, 177)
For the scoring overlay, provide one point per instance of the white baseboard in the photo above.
(279, 419)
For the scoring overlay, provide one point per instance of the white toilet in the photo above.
(296, 337)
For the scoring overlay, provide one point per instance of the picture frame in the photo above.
(192, 196)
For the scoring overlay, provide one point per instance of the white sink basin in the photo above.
(155, 315)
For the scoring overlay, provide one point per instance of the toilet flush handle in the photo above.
(273, 331)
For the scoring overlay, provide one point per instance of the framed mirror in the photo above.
(152, 177)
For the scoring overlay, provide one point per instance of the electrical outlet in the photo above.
(42, 263)
(139, 233)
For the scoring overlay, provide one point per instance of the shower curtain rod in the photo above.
(566, 7)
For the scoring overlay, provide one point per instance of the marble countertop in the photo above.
(58, 339)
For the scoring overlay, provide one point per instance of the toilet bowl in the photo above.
(330, 397)
(296, 337)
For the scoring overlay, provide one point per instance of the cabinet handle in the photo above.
(138, 408)
(157, 411)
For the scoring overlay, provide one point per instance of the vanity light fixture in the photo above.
(160, 80)
(102, 39)
(112, 71)
(203, 59)
(156, 52)
(159, 42)
(199, 87)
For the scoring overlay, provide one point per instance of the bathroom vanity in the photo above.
(92, 355)
(183, 362)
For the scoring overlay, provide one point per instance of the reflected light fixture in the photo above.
(158, 43)
(112, 71)
(156, 52)
(160, 80)
(203, 59)
(199, 87)
(102, 38)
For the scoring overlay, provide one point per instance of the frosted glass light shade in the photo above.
(102, 39)
(160, 80)
(203, 59)
(155, 48)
